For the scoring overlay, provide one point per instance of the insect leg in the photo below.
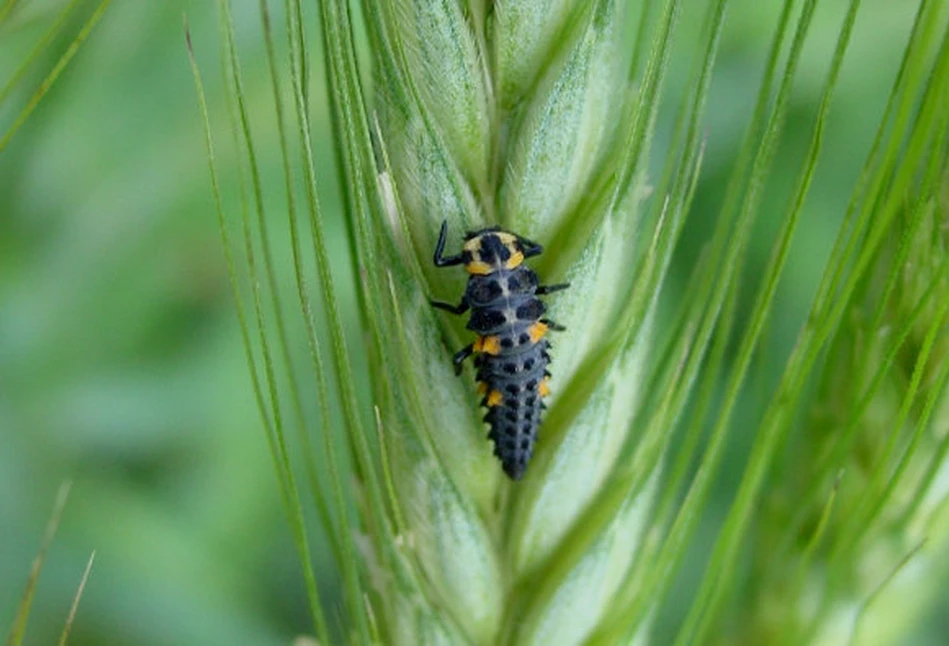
(460, 357)
(440, 260)
(550, 289)
(530, 248)
(556, 327)
(460, 308)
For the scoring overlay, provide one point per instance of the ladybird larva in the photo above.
(511, 349)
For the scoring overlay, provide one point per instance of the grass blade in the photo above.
(54, 74)
(64, 636)
(18, 629)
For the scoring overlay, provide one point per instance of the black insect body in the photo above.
(511, 351)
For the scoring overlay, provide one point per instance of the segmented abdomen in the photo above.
(515, 384)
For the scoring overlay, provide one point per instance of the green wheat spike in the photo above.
(540, 117)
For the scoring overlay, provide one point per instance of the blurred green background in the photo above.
(121, 365)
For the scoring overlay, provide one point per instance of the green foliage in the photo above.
(745, 439)
(514, 114)
(55, 30)
(19, 625)
(7, 23)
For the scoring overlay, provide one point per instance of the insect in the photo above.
(511, 350)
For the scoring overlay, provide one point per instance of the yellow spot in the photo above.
(478, 267)
(544, 387)
(494, 398)
(473, 245)
(482, 388)
(487, 344)
(537, 331)
(516, 258)
(507, 239)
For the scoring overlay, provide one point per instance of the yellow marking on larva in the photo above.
(537, 331)
(516, 259)
(495, 398)
(478, 267)
(544, 388)
(482, 387)
(487, 344)
(473, 245)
